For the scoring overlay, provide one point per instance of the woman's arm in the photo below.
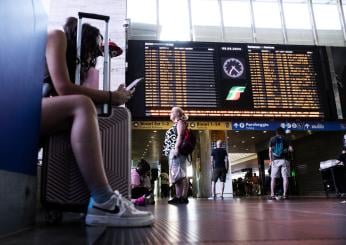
(57, 67)
(180, 131)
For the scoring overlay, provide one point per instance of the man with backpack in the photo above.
(279, 149)
(219, 161)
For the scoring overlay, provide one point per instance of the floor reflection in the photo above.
(236, 221)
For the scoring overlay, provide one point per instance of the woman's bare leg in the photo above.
(77, 113)
(179, 188)
(185, 186)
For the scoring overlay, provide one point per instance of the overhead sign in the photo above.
(210, 125)
(194, 125)
(295, 126)
(245, 125)
(152, 125)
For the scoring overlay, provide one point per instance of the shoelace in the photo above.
(121, 201)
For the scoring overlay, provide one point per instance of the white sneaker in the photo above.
(212, 197)
(118, 212)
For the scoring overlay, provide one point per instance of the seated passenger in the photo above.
(77, 113)
(74, 110)
(61, 61)
(141, 192)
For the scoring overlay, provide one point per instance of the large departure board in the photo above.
(181, 76)
(228, 80)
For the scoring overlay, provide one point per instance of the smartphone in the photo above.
(134, 83)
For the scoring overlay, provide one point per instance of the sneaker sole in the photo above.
(107, 220)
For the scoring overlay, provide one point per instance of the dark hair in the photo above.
(280, 131)
(143, 166)
(89, 51)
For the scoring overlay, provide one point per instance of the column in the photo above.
(202, 169)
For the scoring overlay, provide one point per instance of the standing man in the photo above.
(279, 148)
(219, 162)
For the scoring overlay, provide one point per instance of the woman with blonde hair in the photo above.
(177, 161)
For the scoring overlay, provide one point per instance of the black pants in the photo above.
(164, 190)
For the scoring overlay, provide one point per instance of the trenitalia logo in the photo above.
(234, 93)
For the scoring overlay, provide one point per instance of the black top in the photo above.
(276, 143)
(219, 155)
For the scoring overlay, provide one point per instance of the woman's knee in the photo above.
(84, 104)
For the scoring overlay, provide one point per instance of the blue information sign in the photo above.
(295, 126)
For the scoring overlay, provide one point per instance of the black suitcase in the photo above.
(62, 186)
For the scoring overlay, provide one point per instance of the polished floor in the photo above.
(202, 221)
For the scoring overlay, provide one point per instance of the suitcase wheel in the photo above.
(53, 217)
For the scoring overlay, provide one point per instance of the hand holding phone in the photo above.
(134, 83)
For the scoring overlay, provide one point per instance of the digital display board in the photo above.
(228, 80)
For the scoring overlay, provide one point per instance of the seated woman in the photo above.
(72, 108)
(141, 192)
(77, 114)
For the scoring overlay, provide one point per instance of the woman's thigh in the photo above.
(58, 112)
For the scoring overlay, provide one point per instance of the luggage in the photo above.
(334, 180)
(62, 186)
(329, 163)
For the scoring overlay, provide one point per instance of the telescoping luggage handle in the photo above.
(106, 82)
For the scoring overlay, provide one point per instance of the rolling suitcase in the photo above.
(62, 186)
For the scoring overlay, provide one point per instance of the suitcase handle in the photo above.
(93, 16)
(106, 83)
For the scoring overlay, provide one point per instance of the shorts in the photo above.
(280, 164)
(177, 167)
(219, 173)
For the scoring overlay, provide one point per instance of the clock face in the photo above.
(233, 67)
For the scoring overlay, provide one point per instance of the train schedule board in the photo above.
(226, 80)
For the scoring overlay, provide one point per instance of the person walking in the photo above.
(219, 162)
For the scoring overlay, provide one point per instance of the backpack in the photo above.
(188, 144)
(279, 148)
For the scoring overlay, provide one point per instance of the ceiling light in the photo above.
(252, 137)
(154, 131)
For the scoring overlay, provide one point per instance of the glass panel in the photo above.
(136, 14)
(236, 13)
(205, 12)
(174, 20)
(46, 5)
(296, 15)
(267, 14)
(326, 16)
(206, 20)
